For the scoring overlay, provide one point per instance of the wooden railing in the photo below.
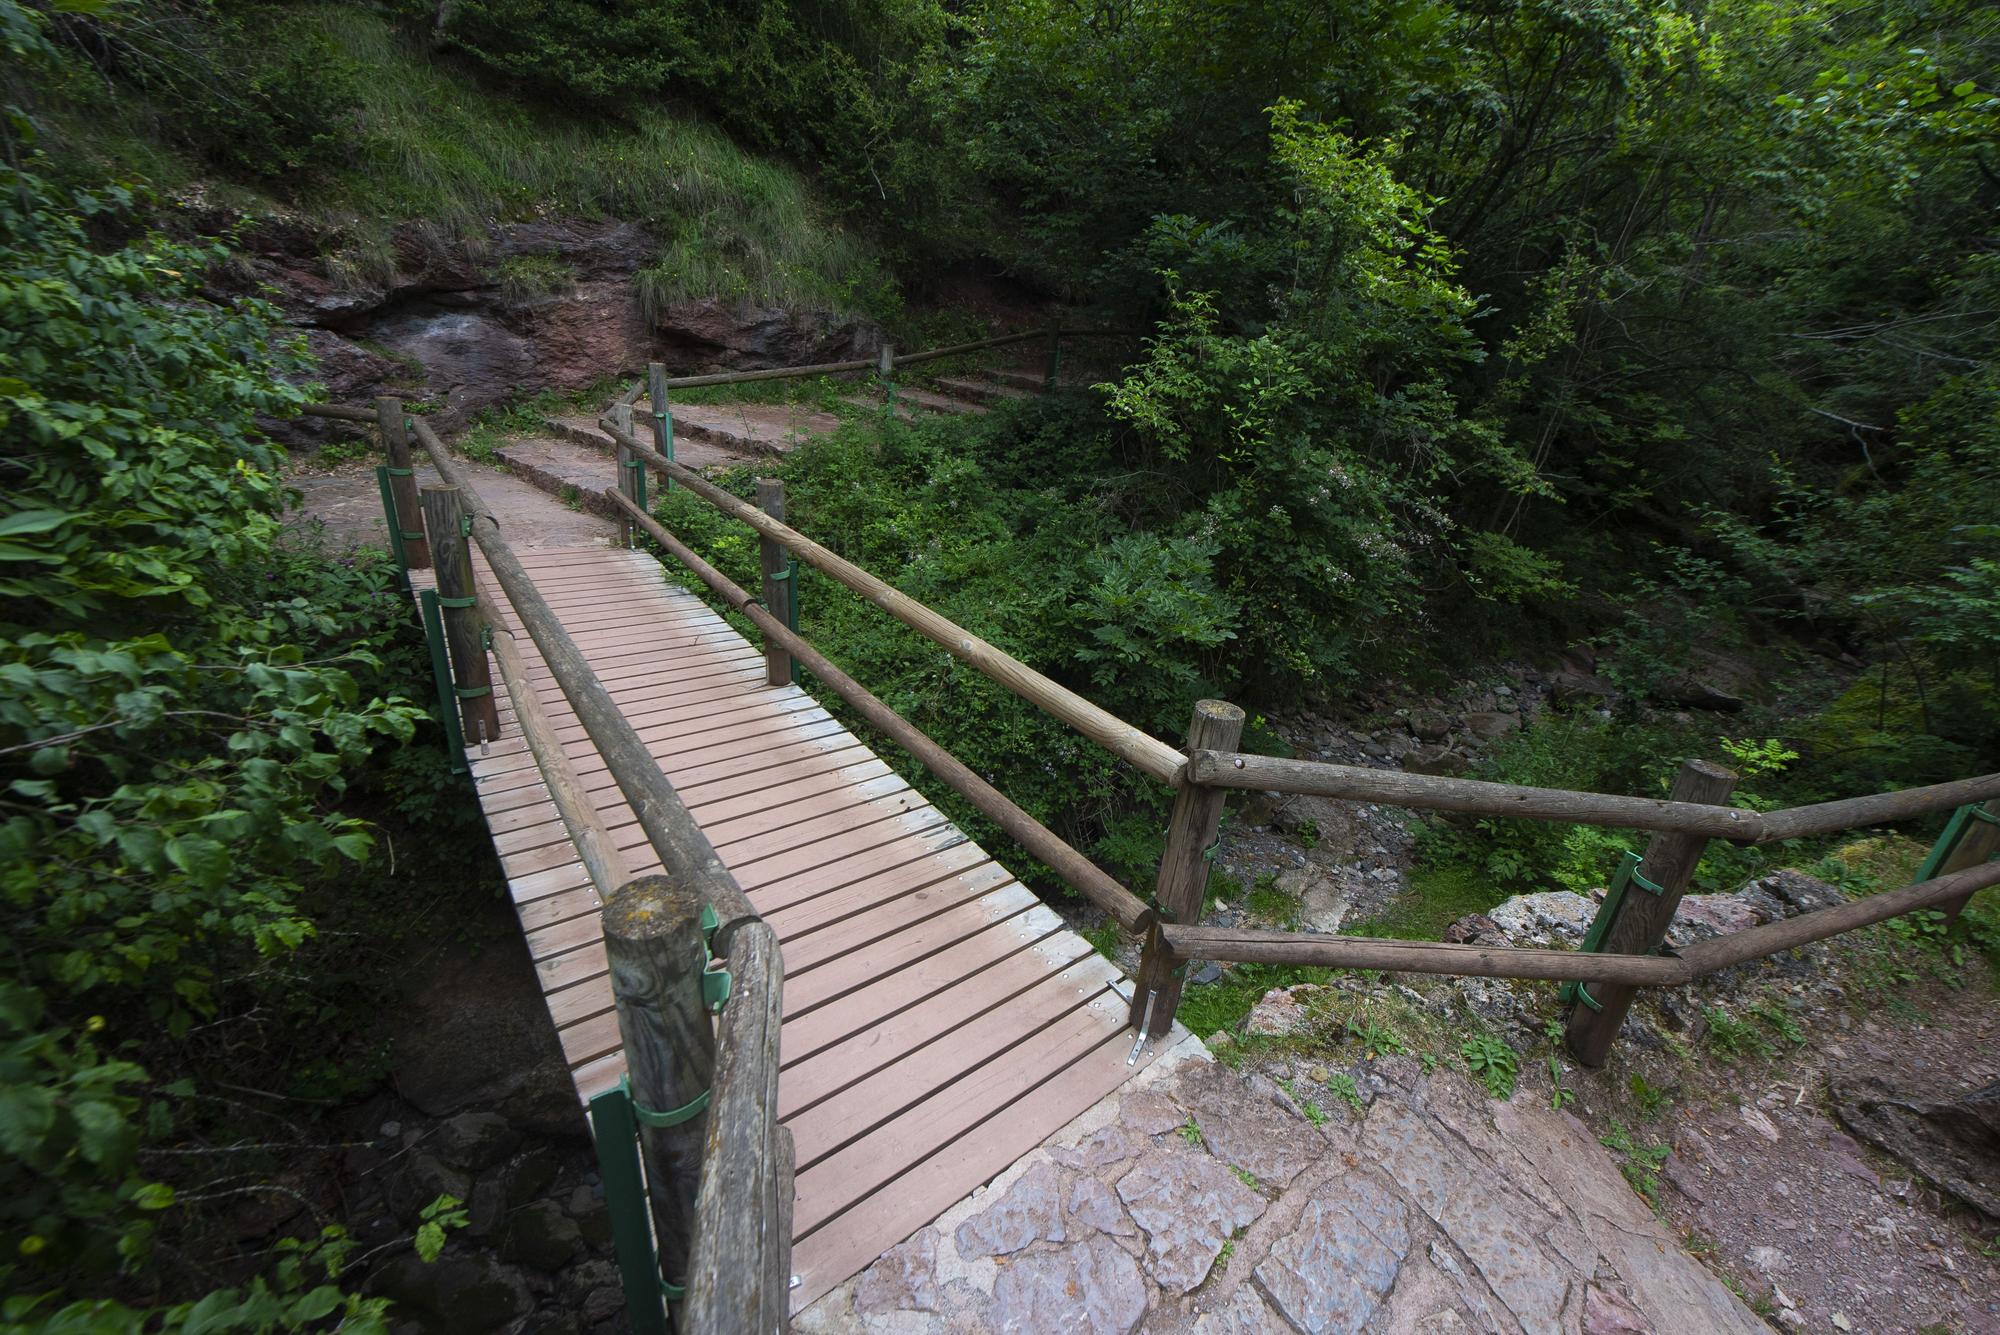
(721, 1208)
(1625, 957)
(697, 1171)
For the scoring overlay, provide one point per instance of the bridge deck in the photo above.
(939, 1020)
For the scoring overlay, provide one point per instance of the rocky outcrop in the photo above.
(1954, 1143)
(432, 318)
(1204, 1200)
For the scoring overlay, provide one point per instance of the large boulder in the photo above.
(1953, 1143)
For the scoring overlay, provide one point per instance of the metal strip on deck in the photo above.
(940, 1021)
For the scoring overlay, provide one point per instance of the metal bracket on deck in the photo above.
(1145, 1023)
(1607, 913)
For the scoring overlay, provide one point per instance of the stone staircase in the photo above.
(570, 459)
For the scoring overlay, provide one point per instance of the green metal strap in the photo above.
(674, 1292)
(467, 601)
(1607, 913)
(395, 529)
(1954, 831)
(617, 1135)
(465, 526)
(792, 607)
(663, 440)
(441, 677)
(471, 692)
(786, 573)
(687, 1112)
(402, 472)
(715, 980)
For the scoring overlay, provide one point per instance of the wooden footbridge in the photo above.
(823, 1012)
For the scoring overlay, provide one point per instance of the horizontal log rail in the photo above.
(1222, 769)
(739, 1258)
(587, 830)
(339, 413)
(1247, 946)
(1239, 945)
(1076, 870)
(1133, 745)
(895, 359)
(683, 849)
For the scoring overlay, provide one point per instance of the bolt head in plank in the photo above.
(1643, 918)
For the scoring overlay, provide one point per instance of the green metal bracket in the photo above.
(663, 437)
(616, 1129)
(792, 607)
(447, 691)
(715, 981)
(687, 1112)
(1954, 830)
(395, 529)
(1607, 913)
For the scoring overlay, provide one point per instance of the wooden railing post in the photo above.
(402, 482)
(1191, 830)
(663, 419)
(779, 577)
(654, 944)
(471, 676)
(740, 1279)
(1055, 357)
(885, 371)
(1644, 914)
(629, 468)
(1977, 842)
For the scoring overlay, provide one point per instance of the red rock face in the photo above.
(437, 327)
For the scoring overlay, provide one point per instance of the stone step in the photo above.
(752, 428)
(566, 469)
(980, 390)
(912, 403)
(693, 446)
(578, 431)
(1018, 377)
(872, 403)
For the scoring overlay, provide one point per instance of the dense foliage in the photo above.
(1469, 327)
(183, 698)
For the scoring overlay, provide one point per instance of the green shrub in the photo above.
(183, 703)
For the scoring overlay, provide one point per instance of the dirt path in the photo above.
(1820, 1229)
(346, 503)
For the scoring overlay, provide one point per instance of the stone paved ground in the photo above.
(1202, 1200)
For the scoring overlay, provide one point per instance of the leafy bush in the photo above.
(181, 707)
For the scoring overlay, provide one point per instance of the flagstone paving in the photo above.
(1205, 1201)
